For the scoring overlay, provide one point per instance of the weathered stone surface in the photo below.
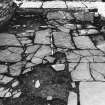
(36, 4)
(32, 49)
(15, 69)
(84, 42)
(8, 56)
(41, 53)
(43, 36)
(84, 16)
(3, 68)
(5, 79)
(8, 39)
(59, 15)
(62, 39)
(54, 4)
(72, 98)
(92, 93)
(81, 72)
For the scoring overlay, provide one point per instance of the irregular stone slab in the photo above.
(84, 42)
(97, 76)
(98, 67)
(17, 50)
(73, 57)
(8, 56)
(31, 4)
(32, 49)
(84, 16)
(3, 92)
(5, 79)
(72, 99)
(74, 4)
(54, 4)
(3, 68)
(8, 39)
(15, 69)
(62, 28)
(92, 93)
(81, 72)
(43, 36)
(43, 51)
(59, 15)
(62, 39)
(101, 46)
(40, 54)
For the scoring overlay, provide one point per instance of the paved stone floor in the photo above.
(57, 60)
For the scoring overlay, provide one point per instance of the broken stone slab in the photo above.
(54, 4)
(43, 37)
(62, 39)
(81, 72)
(92, 93)
(43, 51)
(40, 54)
(72, 98)
(98, 67)
(8, 39)
(84, 42)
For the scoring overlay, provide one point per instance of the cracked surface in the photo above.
(56, 59)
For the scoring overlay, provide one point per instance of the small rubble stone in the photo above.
(58, 67)
(92, 93)
(43, 36)
(62, 39)
(8, 39)
(84, 42)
